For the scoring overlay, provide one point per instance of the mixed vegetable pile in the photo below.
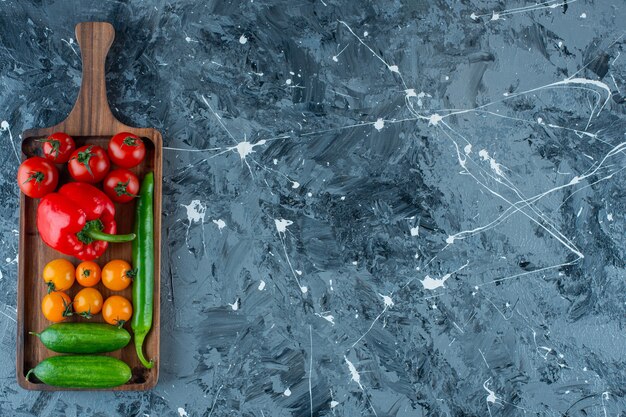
(78, 220)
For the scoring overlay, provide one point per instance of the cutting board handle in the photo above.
(92, 107)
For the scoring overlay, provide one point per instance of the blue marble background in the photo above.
(396, 208)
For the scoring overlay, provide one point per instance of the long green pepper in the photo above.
(143, 262)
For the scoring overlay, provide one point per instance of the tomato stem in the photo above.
(55, 144)
(68, 308)
(84, 157)
(86, 314)
(36, 176)
(130, 141)
(120, 189)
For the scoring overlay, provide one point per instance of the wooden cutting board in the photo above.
(89, 122)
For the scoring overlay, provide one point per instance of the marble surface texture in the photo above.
(392, 208)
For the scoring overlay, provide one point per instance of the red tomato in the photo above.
(126, 150)
(89, 163)
(121, 185)
(37, 177)
(58, 147)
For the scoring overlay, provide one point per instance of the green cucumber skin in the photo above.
(84, 338)
(81, 371)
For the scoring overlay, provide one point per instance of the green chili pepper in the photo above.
(143, 262)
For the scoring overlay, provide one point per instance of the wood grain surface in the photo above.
(89, 122)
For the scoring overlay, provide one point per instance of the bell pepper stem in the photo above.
(93, 231)
(98, 235)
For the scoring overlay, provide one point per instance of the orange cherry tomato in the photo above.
(59, 274)
(117, 275)
(88, 273)
(117, 310)
(56, 306)
(88, 302)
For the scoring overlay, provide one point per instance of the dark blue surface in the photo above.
(392, 208)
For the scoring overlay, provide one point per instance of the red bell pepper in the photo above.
(78, 220)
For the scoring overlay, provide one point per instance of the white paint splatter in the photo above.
(334, 404)
(188, 39)
(220, 224)
(415, 231)
(235, 305)
(420, 96)
(468, 149)
(343, 198)
(394, 68)
(609, 217)
(245, 148)
(353, 372)
(287, 392)
(288, 82)
(365, 34)
(491, 398)
(335, 58)
(5, 127)
(387, 301)
(182, 412)
(583, 16)
(434, 119)
(473, 16)
(495, 16)
(433, 283)
(243, 40)
(295, 184)
(282, 224)
(410, 92)
(261, 286)
(379, 124)
(275, 161)
(328, 317)
(195, 211)
(484, 155)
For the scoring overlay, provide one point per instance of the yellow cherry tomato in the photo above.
(117, 275)
(88, 273)
(59, 275)
(56, 306)
(88, 302)
(117, 310)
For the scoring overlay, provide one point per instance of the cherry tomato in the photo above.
(37, 177)
(59, 275)
(88, 302)
(117, 310)
(88, 273)
(117, 275)
(121, 185)
(56, 306)
(126, 150)
(58, 147)
(89, 163)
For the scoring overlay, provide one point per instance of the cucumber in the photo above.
(82, 371)
(83, 337)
